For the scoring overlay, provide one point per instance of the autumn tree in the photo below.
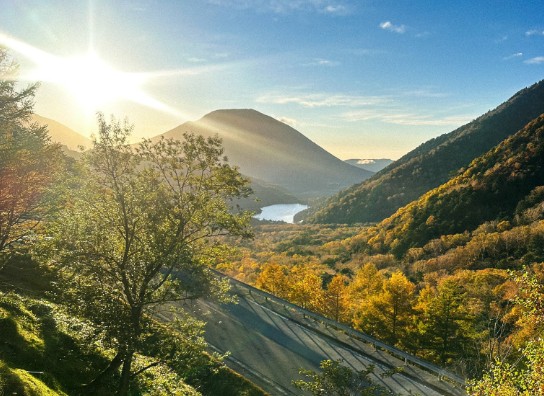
(273, 278)
(444, 319)
(523, 376)
(367, 282)
(140, 231)
(305, 288)
(335, 298)
(28, 163)
(387, 315)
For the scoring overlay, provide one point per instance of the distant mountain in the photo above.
(431, 164)
(373, 165)
(269, 150)
(506, 183)
(62, 134)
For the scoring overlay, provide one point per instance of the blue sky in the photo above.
(364, 79)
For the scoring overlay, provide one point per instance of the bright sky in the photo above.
(361, 78)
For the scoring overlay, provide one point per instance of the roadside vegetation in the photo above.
(91, 250)
(457, 301)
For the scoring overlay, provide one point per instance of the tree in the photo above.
(525, 375)
(273, 279)
(140, 231)
(338, 380)
(336, 298)
(28, 163)
(367, 282)
(387, 315)
(305, 288)
(444, 318)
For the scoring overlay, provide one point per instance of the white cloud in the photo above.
(286, 120)
(516, 55)
(337, 9)
(410, 119)
(534, 32)
(387, 25)
(323, 100)
(424, 93)
(196, 60)
(535, 61)
(322, 62)
(389, 109)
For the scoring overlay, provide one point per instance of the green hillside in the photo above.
(431, 164)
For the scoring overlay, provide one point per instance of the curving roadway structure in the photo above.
(269, 341)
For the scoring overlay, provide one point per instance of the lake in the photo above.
(280, 212)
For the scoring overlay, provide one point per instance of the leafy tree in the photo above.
(387, 315)
(335, 298)
(524, 376)
(273, 279)
(28, 163)
(367, 281)
(140, 231)
(338, 380)
(444, 316)
(305, 288)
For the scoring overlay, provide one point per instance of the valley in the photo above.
(437, 257)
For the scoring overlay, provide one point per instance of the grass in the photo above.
(45, 351)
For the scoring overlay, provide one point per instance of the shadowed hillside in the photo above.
(432, 163)
(499, 185)
(267, 149)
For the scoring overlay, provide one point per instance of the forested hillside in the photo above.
(453, 277)
(500, 185)
(431, 164)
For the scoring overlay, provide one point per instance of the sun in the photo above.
(91, 81)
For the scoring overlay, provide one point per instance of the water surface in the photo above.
(280, 212)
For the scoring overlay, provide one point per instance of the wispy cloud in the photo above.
(286, 120)
(388, 25)
(331, 7)
(535, 61)
(513, 56)
(534, 32)
(336, 9)
(322, 62)
(390, 109)
(424, 93)
(323, 100)
(406, 118)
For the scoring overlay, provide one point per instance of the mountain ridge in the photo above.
(499, 185)
(431, 164)
(63, 134)
(267, 149)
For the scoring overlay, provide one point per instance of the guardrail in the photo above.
(439, 371)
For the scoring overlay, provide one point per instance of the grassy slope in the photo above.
(44, 351)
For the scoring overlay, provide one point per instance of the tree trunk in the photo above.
(135, 316)
(112, 367)
(124, 383)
